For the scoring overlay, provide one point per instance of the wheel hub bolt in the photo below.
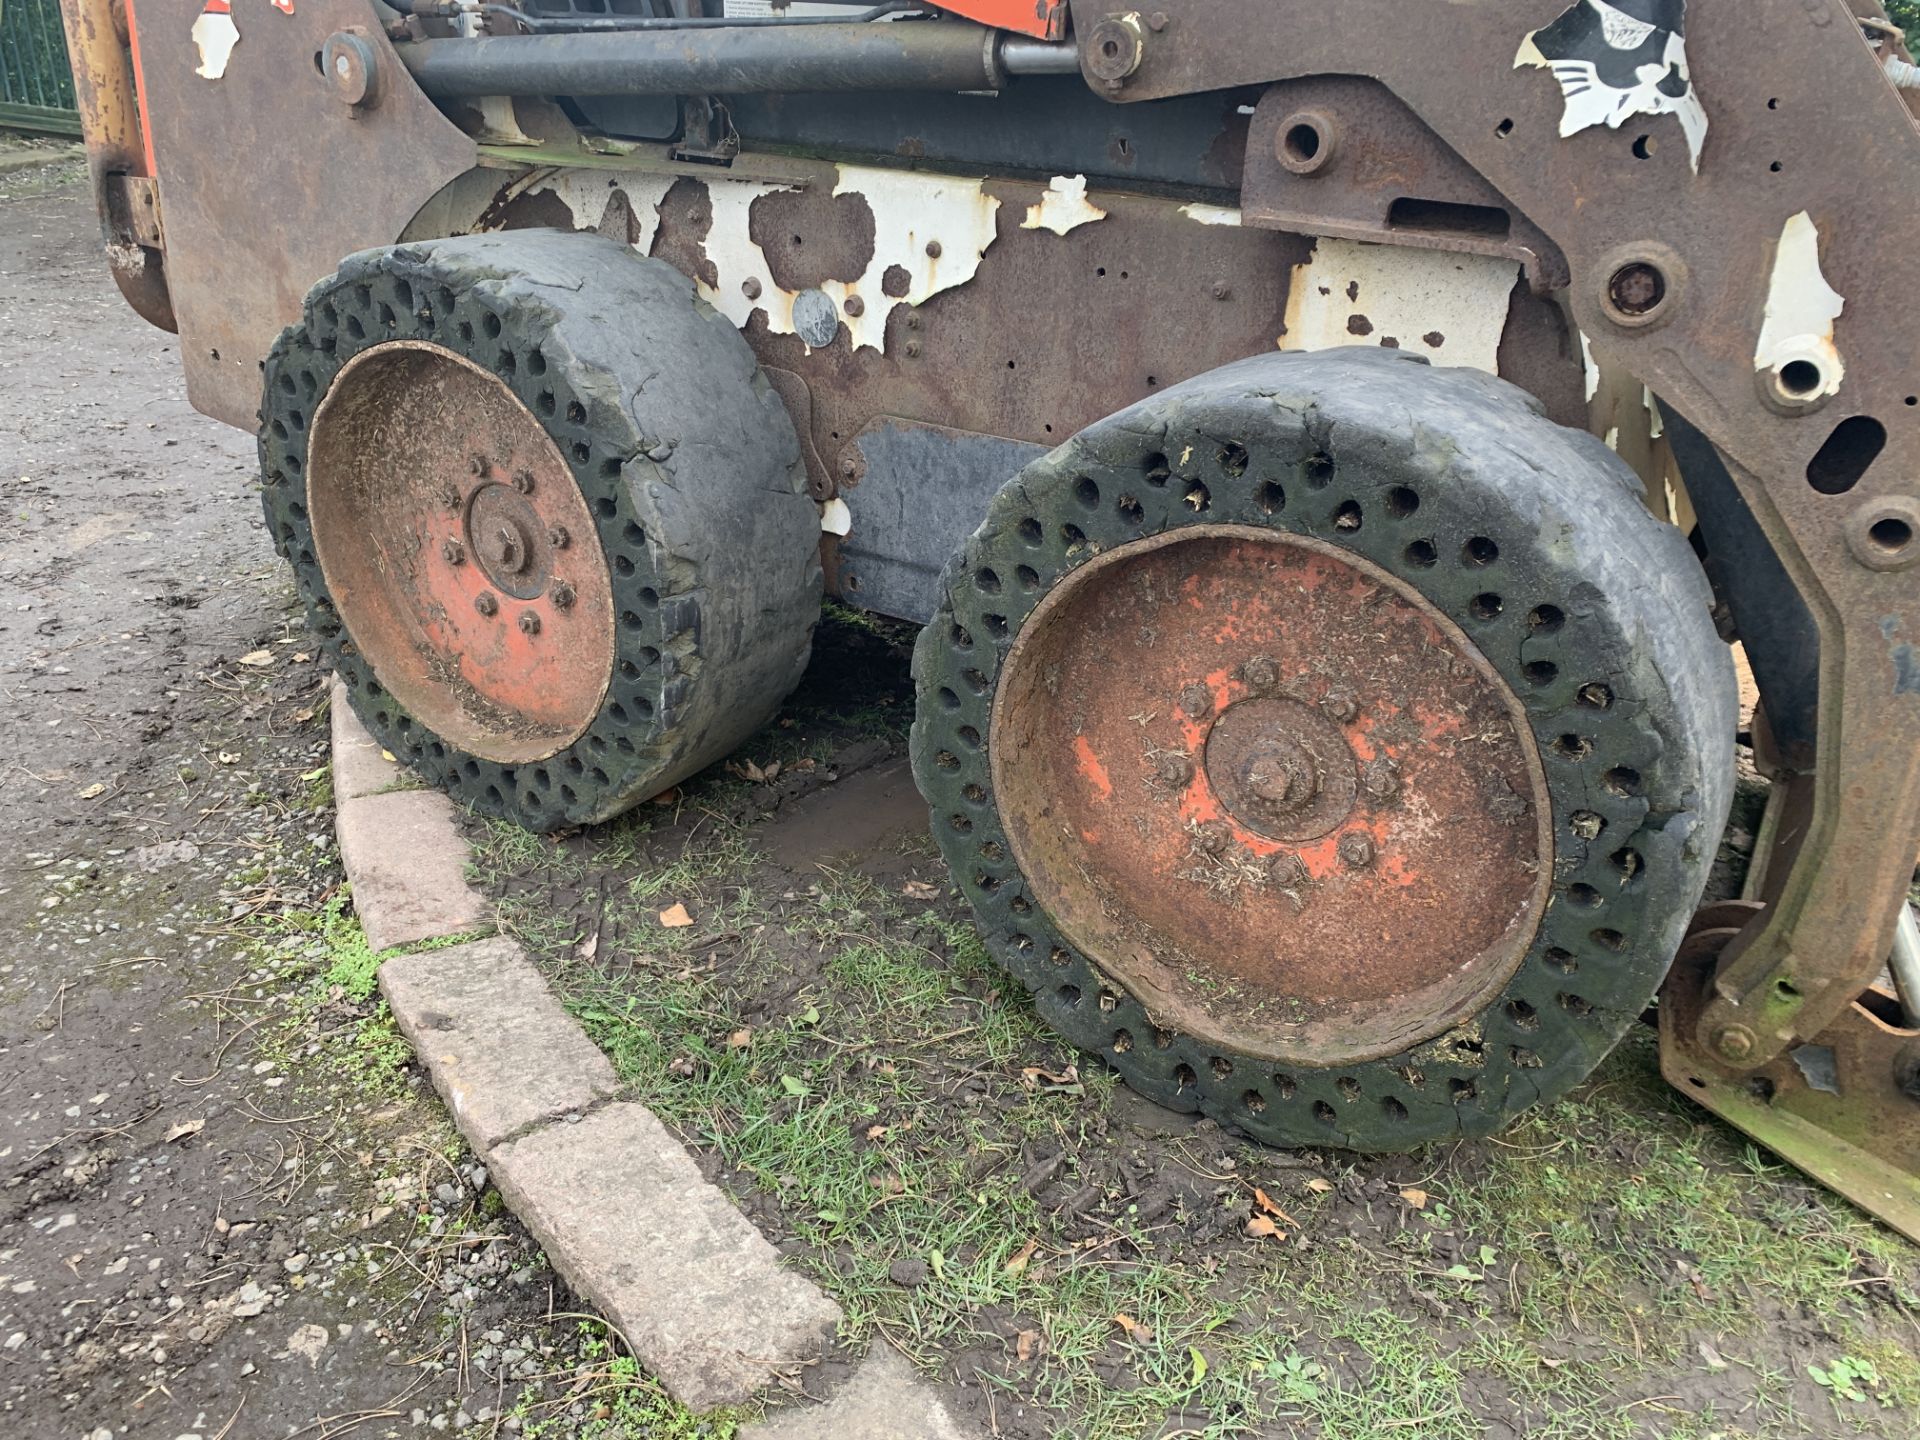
(1381, 778)
(509, 552)
(523, 482)
(561, 594)
(477, 465)
(529, 623)
(1176, 770)
(557, 537)
(1260, 674)
(1356, 850)
(453, 552)
(1287, 870)
(1197, 701)
(486, 604)
(1341, 705)
(1212, 837)
(450, 496)
(1284, 776)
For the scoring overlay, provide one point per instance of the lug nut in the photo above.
(1341, 705)
(453, 552)
(933, 249)
(557, 537)
(1197, 701)
(561, 594)
(1287, 870)
(854, 306)
(1220, 290)
(523, 482)
(1260, 674)
(1213, 837)
(847, 467)
(486, 604)
(1382, 778)
(1356, 850)
(529, 623)
(750, 288)
(477, 465)
(450, 496)
(913, 349)
(1176, 770)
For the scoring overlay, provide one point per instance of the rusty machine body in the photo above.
(1335, 742)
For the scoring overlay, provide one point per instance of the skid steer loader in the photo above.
(1331, 446)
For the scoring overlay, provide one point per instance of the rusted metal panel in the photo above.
(269, 175)
(1701, 211)
(1356, 163)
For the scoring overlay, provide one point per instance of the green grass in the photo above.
(885, 1107)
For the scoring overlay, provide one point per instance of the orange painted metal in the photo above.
(1273, 792)
(460, 552)
(1046, 19)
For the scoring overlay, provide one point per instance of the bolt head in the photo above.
(1197, 701)
(558, 537)
(1381, 778)
(1260, 674)
(529, 623)
(453, 552)
(477, 465)
(1175, 770)
(1735, 1042)
(1213, 837)
(450, 496)
(1221, 290)
(854, 306)
(933, 249)
(486, 604)
(1157, 21)
(523, 482)
(750, 288)
(1341, 705)
(913, 349)
(1356, 850)
(561, 594)
(1637, 288)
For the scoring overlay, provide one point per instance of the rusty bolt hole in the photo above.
(1637, 289)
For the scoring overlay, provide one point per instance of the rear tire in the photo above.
(548, 517)
(1511, 650)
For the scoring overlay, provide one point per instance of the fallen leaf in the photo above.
(876, 1132)
(681, 1065)
(257, 658)
(1199, 1364)
(1032, 1075)
(92, 791)
(740, 1039)
(1019, 1261)
(805, 763)
(227, 757)
(1261, 1225)
(1712, 1356)
(675, 917)
(185, 1128)
(793, 1085)
(1319, 1186)
(389, 757)
(301, 657)
(1135, 1330)
(920, 890)
(667, 797)
(1267, 1207)
(1025, 1345)
(589, 947)
(1415, 1196)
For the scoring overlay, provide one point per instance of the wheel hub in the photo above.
(1281, 768)
(440, 511)
(1271, 791)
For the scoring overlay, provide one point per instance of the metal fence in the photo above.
(36, 84)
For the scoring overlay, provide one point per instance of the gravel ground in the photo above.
(228, 1208)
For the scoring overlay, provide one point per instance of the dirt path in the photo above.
(221, 1192)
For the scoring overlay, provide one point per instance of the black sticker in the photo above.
(1616, 59)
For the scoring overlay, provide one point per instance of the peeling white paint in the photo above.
(835, 517)
(214, 36)
(1801, 309)
(1452, 308)
(911, 212)
(1212, 214)
(1064, 207)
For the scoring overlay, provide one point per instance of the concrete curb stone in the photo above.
(625, 1215)
(407, 861)
(501, 1051)
(615, 1200)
